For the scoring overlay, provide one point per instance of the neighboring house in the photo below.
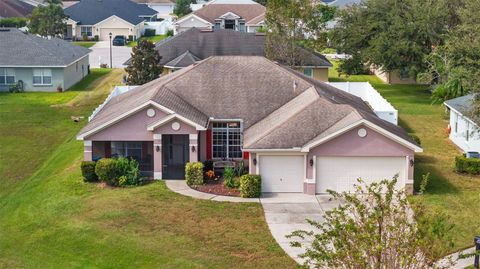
(15, 8)
(394, 77)
(237, 15)
(92, 18)
(299, 134)
(193, 45)
(462, 130)
(67, 4)
(164, 8)
(39, 64)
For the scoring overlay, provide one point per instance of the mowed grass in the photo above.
(50, 218)
(456, 195)
(153, 39)
(85, 44)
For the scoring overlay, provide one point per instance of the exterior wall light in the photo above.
(254, 161)
(412, 162)
(311, 162)
(157, 148)
(193, 148)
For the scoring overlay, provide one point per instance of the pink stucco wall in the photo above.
(166, 128)
(133, 128)
(350, 144)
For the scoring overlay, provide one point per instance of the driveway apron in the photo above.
(287, 212)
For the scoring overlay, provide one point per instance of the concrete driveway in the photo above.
(101, 54)
(286, 212)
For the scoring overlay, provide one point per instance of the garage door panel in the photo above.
(341, 173)
(104, 33)
(282, 173)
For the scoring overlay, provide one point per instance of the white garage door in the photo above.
(104, 33)
(282, 173)
(340, 173)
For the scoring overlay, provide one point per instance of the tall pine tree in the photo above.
(145, 64)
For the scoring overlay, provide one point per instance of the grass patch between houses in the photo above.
(457, 195)
(153, 39)
(85, 44)
(50, 218)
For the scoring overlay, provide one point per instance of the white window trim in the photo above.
(42, 77)
(5, 75)
(227, 145)
(86, 26)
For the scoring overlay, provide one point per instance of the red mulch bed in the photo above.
(217, 187)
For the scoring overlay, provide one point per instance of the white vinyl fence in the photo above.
(160, 27)
(382, 108)
(116, 91)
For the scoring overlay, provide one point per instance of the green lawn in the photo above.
(153, 39)
(85, 44)
(49, 218)
(456, 195)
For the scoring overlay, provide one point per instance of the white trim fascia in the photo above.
(382, 131)
(100, 22)
(462, 115)
(291, 151)
(43, 66)
(170, 117)
(229, 13)
(124, 115)
(192, 15)
(173, 67)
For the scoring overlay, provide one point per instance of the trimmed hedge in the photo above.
(250, 186)
(13, 22)
(107, 171)
(194, 173)
(467, 165)
(88, 171)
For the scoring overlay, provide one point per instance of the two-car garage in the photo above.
(286, 173)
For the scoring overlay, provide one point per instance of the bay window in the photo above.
(42, 77)
(226, 140)
(7, 76)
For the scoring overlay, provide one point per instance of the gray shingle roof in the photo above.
(203, 44)
(277, 105)
(21, 49)
(14, 8)
(461, 104)
(184, 60)
(90, 12)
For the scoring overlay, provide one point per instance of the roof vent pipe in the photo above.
(294, 86)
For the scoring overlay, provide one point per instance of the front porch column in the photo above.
(157, 156)
(193, 147)
(409, 180)
(87, 150)
(252, 163)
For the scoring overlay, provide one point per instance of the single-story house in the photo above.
(237, 15)
(393, 77)
(193, 45)
(92, 18)
(164, 8)
(39, 64)
(15, 8)
(299, 134)
(463, 131)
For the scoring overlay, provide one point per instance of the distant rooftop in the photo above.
(21, 49)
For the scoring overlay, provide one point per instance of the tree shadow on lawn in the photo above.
(438, 183)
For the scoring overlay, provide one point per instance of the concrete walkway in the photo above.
(179, 186)
(458, 264)
(287, 212)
